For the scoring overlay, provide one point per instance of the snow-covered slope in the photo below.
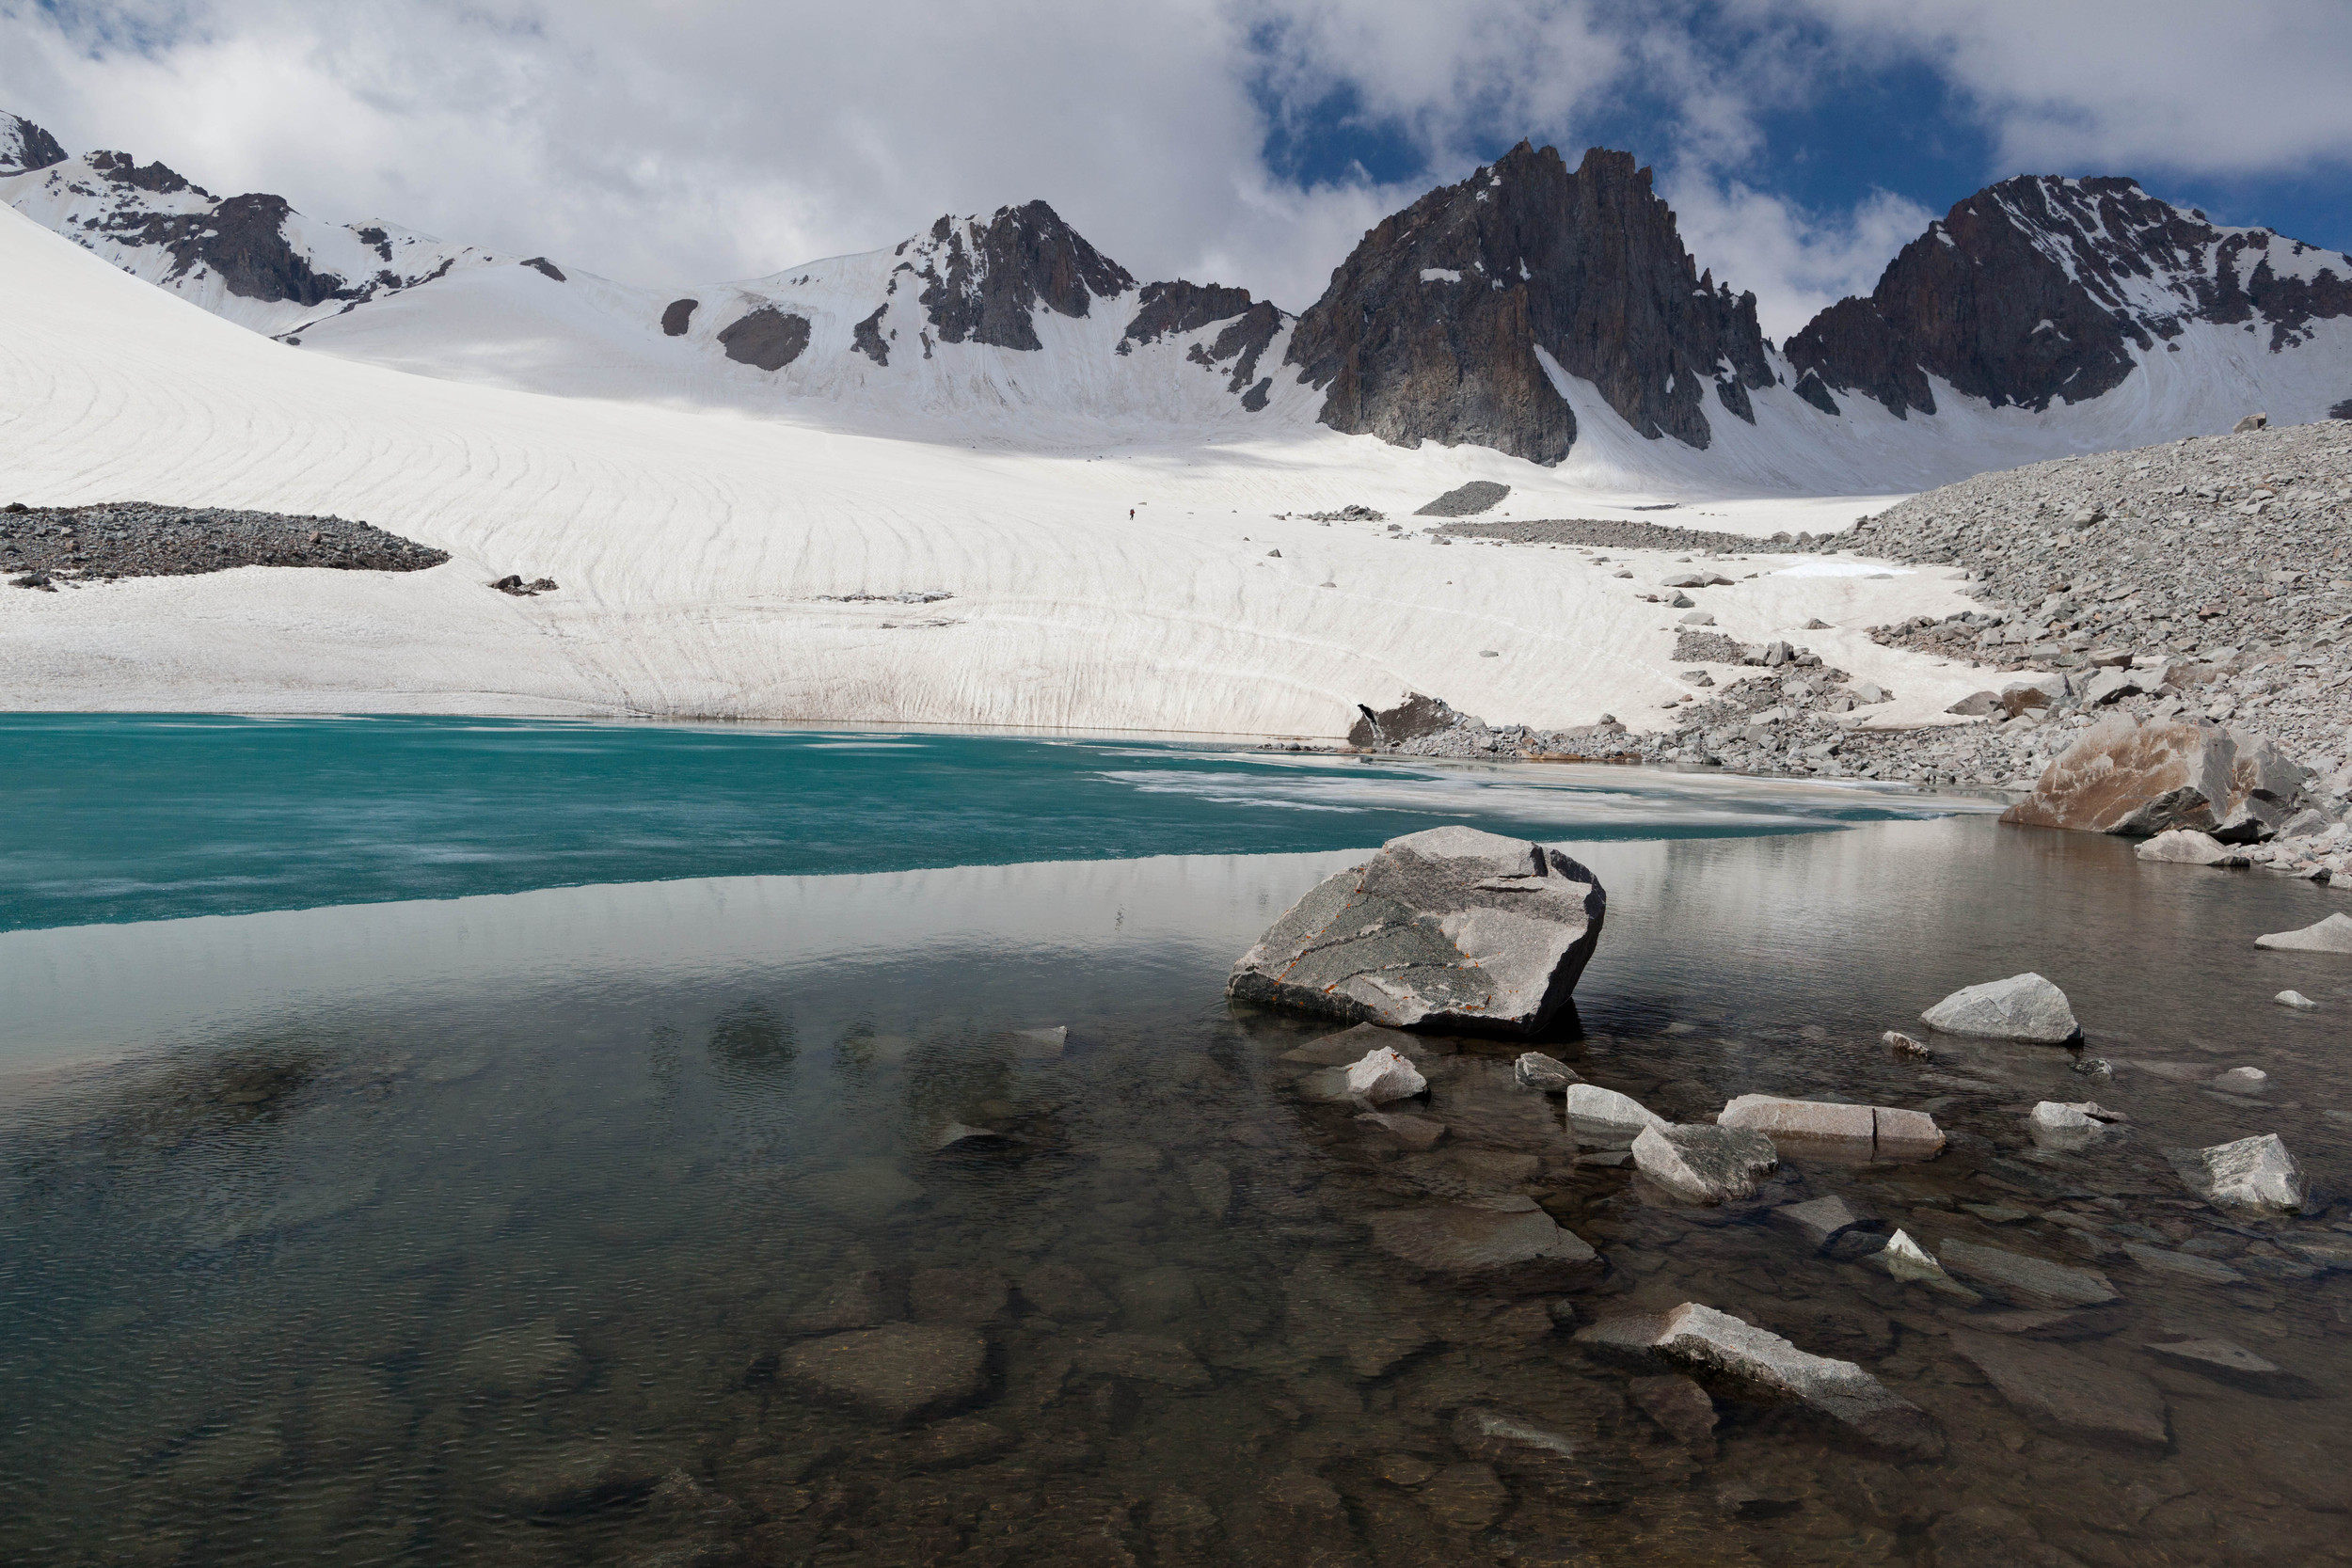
(251, 259)
(697, 550)
(1009, 326)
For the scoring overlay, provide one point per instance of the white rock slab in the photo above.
(2331, 935)
(2022, 1007)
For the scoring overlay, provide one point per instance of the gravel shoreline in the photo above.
(41, 547)
(2207, 578)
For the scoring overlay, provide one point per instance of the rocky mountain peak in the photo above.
(1439, 324)
(981, 278)
(25, 146)
(2043, 287)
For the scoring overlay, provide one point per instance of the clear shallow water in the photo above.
(518, 1230)
(116, 817)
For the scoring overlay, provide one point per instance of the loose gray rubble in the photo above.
(2022, 1007)
(1449, 929)
(2202, 581)
(46, 547)
(1700, 1337)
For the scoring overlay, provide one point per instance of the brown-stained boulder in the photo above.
(2128, 777)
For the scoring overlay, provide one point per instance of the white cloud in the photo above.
(711, 138)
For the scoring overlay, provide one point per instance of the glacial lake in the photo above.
(429, 1141)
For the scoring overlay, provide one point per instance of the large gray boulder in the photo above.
(1704, 1165)
(2129, 776)
(1448, 929)
(2331, 935)
(1704, 1339)
(2187, 846)
(2022, 1007)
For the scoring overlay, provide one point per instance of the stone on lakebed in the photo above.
(2331, 935)
(1449, 928)
(1700, 1337)
(1704, 1165)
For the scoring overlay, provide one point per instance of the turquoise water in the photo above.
(122, 816)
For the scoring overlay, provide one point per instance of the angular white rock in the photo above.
(1603, 1119)
(2022, 1007)
(1704, 1165)
(2252, 1173)
(1535, 1070)
(2243, 1080)
(1802, 1120)
(2331, 935)
(1384, 1075)
(2296, 1000)
(2187, 846)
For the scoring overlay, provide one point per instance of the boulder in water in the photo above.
(2022, 1007)
(2126, 777)
(2331, 935)
(1704, 1165)
(2256, 1174)
(1449, 928)
(2187, 846)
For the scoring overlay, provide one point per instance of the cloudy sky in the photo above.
(1245, 141)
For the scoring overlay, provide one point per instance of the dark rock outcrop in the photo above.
(1434, 327)
(1466, 501)
(867, 339)
(25, 146)
(2040, 288)
(677, 315)
(541, 264)
(983, 280)
(767, 338)
(1172, 310)
(1411, 719)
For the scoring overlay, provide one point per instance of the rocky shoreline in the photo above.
(2206, 581)
(42, 547)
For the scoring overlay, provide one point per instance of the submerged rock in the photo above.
(2228, 1363)
(1700, 1336)
(900, 1371)
(1821, 1221)
(1704, 1165)
(1449, 928)
(2254, 1173)
(2065, 1390)
(1905, 1259)
(1535, 1070)
(1504, 1236)
(2035, 1280)
(1827, 1127)
(1679, 1404)
(2331, 935)
(2022, 1007)
(2296, 1000)
(1603, 1119)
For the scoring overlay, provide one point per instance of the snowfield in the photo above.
(694, 537)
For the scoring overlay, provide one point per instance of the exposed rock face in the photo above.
(1451, 929)
(1436, 327)
(767, 338)
(153, 221)
(1172, 310)
(2022, 1007)
(545, 268)
(981, 280)
(1411, 719)
(2128, 777)
(25, 146)
(676, 316)
(1701, 1337)
(2040, 288)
